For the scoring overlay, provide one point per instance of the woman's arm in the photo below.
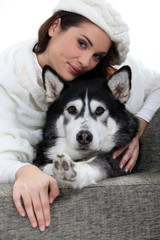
(146, 97)
(22, 112)
(35, 188)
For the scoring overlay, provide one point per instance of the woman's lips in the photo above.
(74, 70)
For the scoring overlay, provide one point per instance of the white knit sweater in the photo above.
(23, 105)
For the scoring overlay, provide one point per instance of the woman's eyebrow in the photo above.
(88, 40)
(91, 44)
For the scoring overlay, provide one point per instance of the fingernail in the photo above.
(126, 170)
(22, 214)
(47, 223)
(41, 228)
(121, 166)
(34, 224)
(114, 157)
(51, 200)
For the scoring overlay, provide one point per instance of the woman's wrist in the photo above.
(142, 126)
(24, 168)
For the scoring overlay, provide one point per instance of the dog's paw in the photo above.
(64, 168)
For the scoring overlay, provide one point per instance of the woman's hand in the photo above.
(132, 149)
(37, 190)
(130, 157)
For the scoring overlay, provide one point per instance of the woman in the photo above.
(81, 36)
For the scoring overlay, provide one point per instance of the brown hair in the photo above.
(69, 19)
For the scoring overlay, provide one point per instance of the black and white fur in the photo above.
(85, 122)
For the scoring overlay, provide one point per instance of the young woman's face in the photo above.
(74, 51)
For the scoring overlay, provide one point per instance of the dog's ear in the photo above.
(53, 84)
(120, 84)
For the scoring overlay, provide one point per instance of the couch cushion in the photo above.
(149, 158)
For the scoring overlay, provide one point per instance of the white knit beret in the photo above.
(106, 17)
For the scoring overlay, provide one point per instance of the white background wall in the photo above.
(20, 20)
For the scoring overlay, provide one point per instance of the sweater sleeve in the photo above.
(22, 111)
(145, 92)
(15, 141)
(151, 83)
(150, 106)
(8, 176)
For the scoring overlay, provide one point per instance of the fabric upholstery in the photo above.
(150, 146)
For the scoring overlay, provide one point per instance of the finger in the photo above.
(38, 210)
(45, 207)
(125, 159)
(133, 158)
(54, 190)
(17, 201)
(29, 210)
(118, 152)
(129, 159)
(131, 163)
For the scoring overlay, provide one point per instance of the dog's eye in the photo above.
(72, 110)
(99, 111)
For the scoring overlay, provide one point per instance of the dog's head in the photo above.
(89, 115)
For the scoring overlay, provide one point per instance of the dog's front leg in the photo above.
(76, 174)
(88, 173)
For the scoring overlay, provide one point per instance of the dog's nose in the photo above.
(84, 137)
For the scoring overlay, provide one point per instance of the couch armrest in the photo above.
(119, 208)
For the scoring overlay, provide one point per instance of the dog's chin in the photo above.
(85, 148)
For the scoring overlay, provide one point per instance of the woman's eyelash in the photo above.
(82, 43)
(98, 57)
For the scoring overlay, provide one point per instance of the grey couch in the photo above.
(122, 208)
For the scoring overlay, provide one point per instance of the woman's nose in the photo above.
(85, 60)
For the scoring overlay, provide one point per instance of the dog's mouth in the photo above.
(83, 148)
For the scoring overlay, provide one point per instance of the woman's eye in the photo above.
(99, 111)
(72, 110)
(82, 43)
(98, 57)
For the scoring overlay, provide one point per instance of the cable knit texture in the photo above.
(106, 17)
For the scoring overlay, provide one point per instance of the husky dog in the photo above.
(85, 123)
